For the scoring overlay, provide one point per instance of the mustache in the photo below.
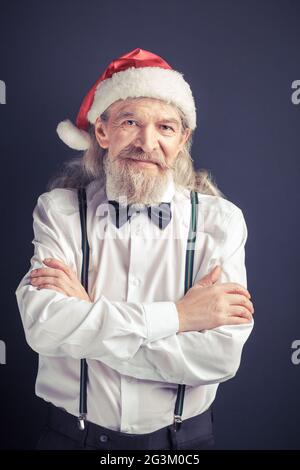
(134, 154)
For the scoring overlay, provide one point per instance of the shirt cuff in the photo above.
(162, 319)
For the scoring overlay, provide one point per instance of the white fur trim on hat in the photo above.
(75, 138)
(153, 82)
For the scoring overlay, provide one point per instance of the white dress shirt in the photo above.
(129, 333)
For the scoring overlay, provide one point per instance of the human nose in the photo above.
(147, 139)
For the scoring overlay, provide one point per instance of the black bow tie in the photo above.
(160, 214)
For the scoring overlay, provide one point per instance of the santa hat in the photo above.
(138, 73)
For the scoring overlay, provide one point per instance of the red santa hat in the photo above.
(138, 73)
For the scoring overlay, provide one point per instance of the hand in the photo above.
(58, 276)
(206, 306)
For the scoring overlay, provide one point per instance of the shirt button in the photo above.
(135, 281)
(103, 438)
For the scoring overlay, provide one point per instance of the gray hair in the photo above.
(88, 166)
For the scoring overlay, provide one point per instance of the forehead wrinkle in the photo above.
(136, 114)
(146, 105)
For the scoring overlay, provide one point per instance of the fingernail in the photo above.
(47, 259)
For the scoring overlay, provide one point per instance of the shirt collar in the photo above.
(170, 189)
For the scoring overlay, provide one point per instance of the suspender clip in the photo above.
(177, 422)
(81, 421)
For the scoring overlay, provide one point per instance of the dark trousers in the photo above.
(62, 433)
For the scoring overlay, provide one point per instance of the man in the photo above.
(140, 334)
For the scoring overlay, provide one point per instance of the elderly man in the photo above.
(121, 350)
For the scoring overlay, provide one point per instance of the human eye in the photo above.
(167, 128)
(129, 122)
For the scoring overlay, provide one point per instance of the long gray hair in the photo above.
(88, 166)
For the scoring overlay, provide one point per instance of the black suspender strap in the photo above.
(84, 282)
(188, 282)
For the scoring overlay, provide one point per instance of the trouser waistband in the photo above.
(196, 428)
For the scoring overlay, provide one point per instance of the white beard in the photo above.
(130, 184)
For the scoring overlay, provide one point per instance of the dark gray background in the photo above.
(240, 58)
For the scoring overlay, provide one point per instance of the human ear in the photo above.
(101, 133)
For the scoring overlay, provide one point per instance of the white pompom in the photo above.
(72, 136)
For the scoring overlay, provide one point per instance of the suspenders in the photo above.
(188, 282)
(84, 281)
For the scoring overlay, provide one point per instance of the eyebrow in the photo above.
(127, 114)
